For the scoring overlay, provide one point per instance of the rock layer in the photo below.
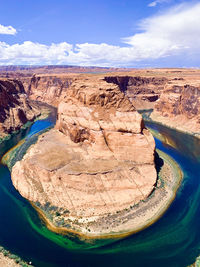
(143, 92)
(15, 108)
(98, 160)
(179, 106)
(47, 88)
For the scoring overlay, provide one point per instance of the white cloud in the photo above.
(7, 30)
(156, 2)
(168, 35)
(172, 33)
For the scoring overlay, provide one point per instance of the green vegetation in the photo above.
(197, 262)
(55, 214)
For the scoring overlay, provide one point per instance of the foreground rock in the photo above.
(98, 161)
(15, 108)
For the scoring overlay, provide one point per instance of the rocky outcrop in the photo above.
(15, 108)
(98, 161)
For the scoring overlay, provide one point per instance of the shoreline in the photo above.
(149, 116)
(8, 259)
(45, 111)
(135, 218)
(7, 157)
(159, 120)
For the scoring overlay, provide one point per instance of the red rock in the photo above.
(15, 108)
(99, 159)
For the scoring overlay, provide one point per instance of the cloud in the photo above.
(33, 53)
(165, 37)
(169, 34)
(156, 2)
(7, 30)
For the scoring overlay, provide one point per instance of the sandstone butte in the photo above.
(97, 161)
(15, 108)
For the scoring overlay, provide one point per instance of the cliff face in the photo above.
(48, 88)
(172, 94)
(98, 160)
(143, 92)
(173, 98)
(179, 107)
(15, 108)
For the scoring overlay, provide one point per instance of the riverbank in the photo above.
(8, 259)
(130, 220)
(7, 140)
(10, 156)
(196, 263)
(9, 146)
(178, 123)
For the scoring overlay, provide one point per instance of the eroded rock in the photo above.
(98, 160)
(15, 108)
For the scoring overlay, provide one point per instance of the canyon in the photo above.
(99, 160)
(15, 107)
(171, 94)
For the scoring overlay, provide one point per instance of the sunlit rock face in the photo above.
(179, 106)
(99, 158)
(142, 91)
(15, 108)
(47, 88)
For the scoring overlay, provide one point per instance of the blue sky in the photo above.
(120, 33)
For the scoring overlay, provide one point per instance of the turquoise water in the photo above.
(174, 240)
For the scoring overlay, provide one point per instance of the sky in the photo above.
(106, 33)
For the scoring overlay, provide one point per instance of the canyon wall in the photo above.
(15, 108)
(47, 88)
(174, 99)
(143, 92)
(179, 107)
(173, 95)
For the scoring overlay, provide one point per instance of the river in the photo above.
(174, 240)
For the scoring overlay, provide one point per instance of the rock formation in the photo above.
(179, 107)
(170, 92)
(15, 108)
(143, 92)
(173, 95)
(98, 161)
(47, 88)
